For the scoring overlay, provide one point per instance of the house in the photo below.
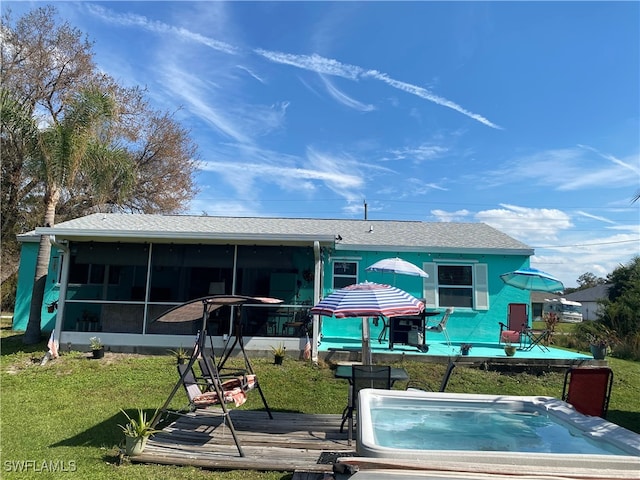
(115, 274)
(537, 303)
(589, 298)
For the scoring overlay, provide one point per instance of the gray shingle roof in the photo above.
(593, 294)
(347, 234)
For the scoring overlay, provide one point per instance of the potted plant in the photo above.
(279, 352)
(97, 347)
(137, 431)
(180, 354)
(464, 348)
(599, 345)
(509, 349)
(600, 342)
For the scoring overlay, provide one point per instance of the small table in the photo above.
(397, 374)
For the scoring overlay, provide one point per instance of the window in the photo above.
(344, 274)
(455, 285)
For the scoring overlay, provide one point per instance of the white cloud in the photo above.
(133, 20)
(594, 217)
(250, 72)
(457, 216)
(527, 224)
(344, 98)
(427, 95)
(314, 62)
(419, 154)
(567, 169)
(249, 169)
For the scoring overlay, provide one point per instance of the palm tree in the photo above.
(70, 147)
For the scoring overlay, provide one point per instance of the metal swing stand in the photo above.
(199, 348)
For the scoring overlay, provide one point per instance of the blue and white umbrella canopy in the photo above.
(397, 266)
(532, 279)
(368, 300)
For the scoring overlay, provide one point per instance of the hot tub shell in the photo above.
(505, 462)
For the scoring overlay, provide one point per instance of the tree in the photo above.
(621, 310)
(47, 68)
(71, 146)
(589, 280)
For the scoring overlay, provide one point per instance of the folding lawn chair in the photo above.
(517, 323)
(588, 389)
(441, 327)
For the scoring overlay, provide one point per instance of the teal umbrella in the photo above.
(532, 279)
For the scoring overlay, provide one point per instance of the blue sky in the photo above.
(522, 115)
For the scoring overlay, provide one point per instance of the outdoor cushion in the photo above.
(510, 336)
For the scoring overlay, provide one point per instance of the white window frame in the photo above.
(334, 276)
(479, 283)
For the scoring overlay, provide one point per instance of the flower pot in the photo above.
(277, 359)
(598, 351)
(135, 445)
(464, 351)
(510, 350)
(98, 353)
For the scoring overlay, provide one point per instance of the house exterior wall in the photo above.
(475, 323)
(26, 272)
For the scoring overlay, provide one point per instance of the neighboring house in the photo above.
(589, 298)
(537, 302)
(116, 273)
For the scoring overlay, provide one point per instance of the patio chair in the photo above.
(517, 323)
(588, 389)
(363, 376)
(441, 327)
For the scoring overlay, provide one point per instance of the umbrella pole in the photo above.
(366, 342)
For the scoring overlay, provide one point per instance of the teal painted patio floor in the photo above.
(441, 349)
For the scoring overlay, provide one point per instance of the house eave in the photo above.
(185, 237)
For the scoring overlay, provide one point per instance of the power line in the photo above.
(589, 244)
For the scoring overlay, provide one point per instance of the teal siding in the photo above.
(473, 325)
(465, 325)
(26, 271)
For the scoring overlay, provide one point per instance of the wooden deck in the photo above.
(289, 442)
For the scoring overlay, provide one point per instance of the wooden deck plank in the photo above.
(288, 442)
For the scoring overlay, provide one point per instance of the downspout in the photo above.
(317, 282)
(63, 247)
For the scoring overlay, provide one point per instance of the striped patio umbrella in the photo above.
(368, 300)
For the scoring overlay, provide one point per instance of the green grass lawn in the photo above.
(67, 412)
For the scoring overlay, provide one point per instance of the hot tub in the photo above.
(492, 433)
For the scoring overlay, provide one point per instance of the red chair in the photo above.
(588, 389)
(517, 323)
